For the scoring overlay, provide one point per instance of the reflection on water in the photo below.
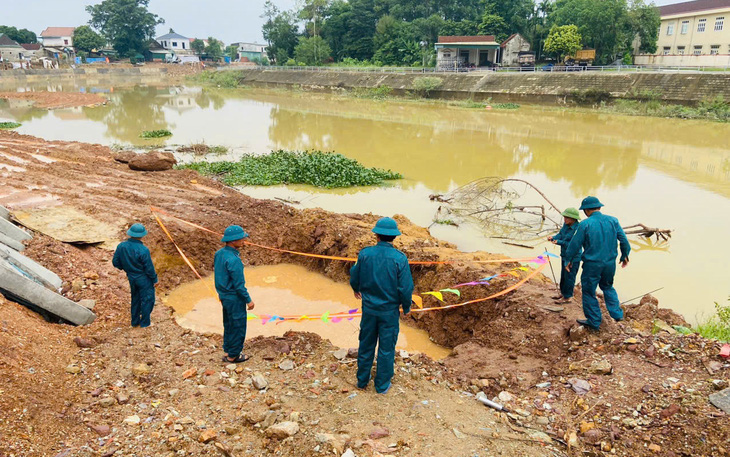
(288, 289)
(664, 173)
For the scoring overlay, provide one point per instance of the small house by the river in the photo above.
(456, 52)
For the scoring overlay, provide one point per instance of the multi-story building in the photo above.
(695, 33)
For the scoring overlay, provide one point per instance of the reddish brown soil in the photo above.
(54, 100)
(510, 344)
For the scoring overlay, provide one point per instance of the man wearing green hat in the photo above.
(231, 287)
(597, 235)
(382, 279)
(134, 258)
(571, 217)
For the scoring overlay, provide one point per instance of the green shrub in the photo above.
(717, 326)
(9, 125)
(590, 96)
(374, 93)
(424, 85)
(316, 168)
(505, 106)
(226, 79)
(148, 134)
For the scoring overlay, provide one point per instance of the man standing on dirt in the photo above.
(597, 236)
(231, 287)
(571, 218)
(381, 277)
(134, 258)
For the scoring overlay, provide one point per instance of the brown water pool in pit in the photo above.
(288, 289)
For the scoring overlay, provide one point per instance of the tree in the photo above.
(126, 24)
(563, 40)
(232, 52)
(198, 46)
(214, 50)
(311, 12)
(645, 22)
(312, 50)
(86, 40)
(282, 34)
(493, 24)
(21, 36)
(270, 12)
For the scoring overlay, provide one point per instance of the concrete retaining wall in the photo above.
(527, 87)
(42, 74)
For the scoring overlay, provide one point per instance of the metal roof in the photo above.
(693, 7)
(172, 36)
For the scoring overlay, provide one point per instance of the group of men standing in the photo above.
(382, 279)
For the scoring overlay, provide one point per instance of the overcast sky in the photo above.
(227, 20)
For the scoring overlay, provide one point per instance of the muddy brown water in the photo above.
(288, 289)
(665, 173)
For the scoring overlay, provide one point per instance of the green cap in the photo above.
(137, 231)
(233, 233)
(386, 226)
(572, 213)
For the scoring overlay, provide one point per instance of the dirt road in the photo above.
(165, 392)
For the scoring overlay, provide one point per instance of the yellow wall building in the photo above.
(695, 33)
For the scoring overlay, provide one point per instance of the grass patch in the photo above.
(506, 106)
(717, 326)
(372, 93)
(149, 134)
(470, 104)
(9, 125)
(316, 168)
(226, 79)
(714, 109)
(424, 85)
(203, 149)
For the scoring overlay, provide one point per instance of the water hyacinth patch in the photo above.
(316, 168)
(9, 125)
(155, 133)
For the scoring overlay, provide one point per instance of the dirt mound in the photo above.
(55, 100)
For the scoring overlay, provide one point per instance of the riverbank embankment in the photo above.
(528, 87)
(100, 72)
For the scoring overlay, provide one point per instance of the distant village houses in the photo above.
(175, 42)
(248, 52)
(481, 51)
(10, 50)
(59, 37)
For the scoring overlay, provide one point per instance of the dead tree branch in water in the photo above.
(648, 232)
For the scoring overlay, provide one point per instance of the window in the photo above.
(183, 45)
(701, 25)
(174, 44)
(698, 50)
(670, 29)
(718, 23)
(65, 41)
(680, 50)
(666, 50)
(714, 49)
(685, 27)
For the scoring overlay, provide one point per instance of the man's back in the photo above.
(134, 258)
(598, 235)
(383, 277)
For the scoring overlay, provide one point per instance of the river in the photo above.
(665, 173)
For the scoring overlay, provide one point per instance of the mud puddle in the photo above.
(288, 289)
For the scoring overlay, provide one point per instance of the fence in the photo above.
(481, 70)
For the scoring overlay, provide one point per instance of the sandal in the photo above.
(239, 359)
(564, 301)
(556, 297)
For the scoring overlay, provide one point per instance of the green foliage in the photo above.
(373, 93)
(649, 103)
(225, 79)
(563, 40)
(86, 40)
(9, 125)
(149, 134)
(470, 104)
(214, 50)
(232, 52)
(198, 46)
(281, 33)
(645, 21)
(493, 24)
(628, 59)
(590, 96)
(126, 24)
(716, 108)
(20, 36)
(717, 326)
(316, 168)
(312, 51)
(424, 85)
(506, 106)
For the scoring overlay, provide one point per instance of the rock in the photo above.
(580, 386)
(655, 448)
(101, 430)
(542, 420)
(577, 333)
(187, 420)
(259, 381)
(132, 420)
(141, 369)
(403, 354)
(122, 398)
(721, 400)
(458, 434)
(295, 416)
(719, 384)
(173, 392)
(670, 411)
(522, 412)
(231, 367)
(269, 419)
(77, 284)
(340, 353)
(352, 353)
(286, 365)
(73, 369)
(91, 275)
(282, 430)
(605, 446)
(600, 367)
(349, 453)
(254, 416)
(571, 438)
(84, 343)
(585, 426)
(152, 161)
(661, 326)
(207, 436)
(87, 303)
(124, 156)
(107, 402)
(189, 373)
(593, 436)
(379, 432)
(505, 397)
(650, 352)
